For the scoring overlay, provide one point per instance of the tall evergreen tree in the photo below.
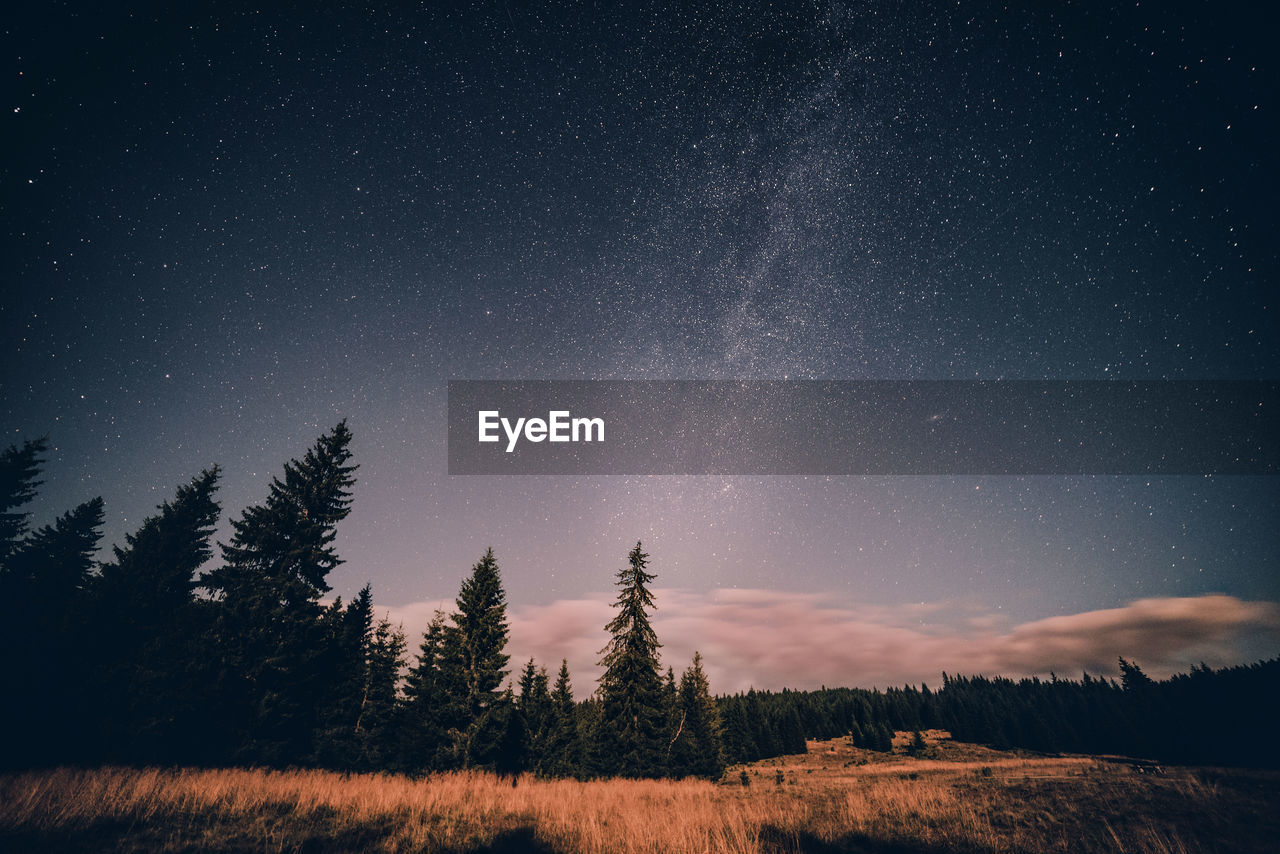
(696, 748)
(348, 635)
(673, 714)
(633, 719)
(19, 470)
(535, 710)
(563, 750)
(427, 706)
(146, 624)
(378, 723)
(473, 665)
(54, 564)
(269, 631)
(42, 638)
(1132, 678)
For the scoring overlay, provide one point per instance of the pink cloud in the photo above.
(772, 639)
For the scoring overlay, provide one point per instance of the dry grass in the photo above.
(836, 798)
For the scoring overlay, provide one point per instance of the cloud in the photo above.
(773, 639)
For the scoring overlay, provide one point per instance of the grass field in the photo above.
(835, 798)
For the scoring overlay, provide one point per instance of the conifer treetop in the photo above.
(289, 538)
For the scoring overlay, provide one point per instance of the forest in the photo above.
(163, 655)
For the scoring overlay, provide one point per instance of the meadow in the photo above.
(953, 797)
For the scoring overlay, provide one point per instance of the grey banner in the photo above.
(874, 427)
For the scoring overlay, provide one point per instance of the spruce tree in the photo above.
(427, 706)
(54, 564)
(510, 755)
(630, 736)
(1132, 678)
(348, 634)
(146, 624)
(269, 632)
(697, 748)
(596, 761)
(43, 635)
(673, 714)
(473, 665)
(534, 706)
(378, 722)
(19, 470)
(563, 750)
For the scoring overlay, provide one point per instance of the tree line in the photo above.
(147, 657)
(1206, 716)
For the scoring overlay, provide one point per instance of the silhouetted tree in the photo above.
(43, 601)
(631, 695)
(696, 749)
(146, 626)
(1132, 678)
(426, 702)
(19, 470)
(378, 723)
(473, 664)
(268, 630)
(348, 634)
(562, 756)
(534, 705)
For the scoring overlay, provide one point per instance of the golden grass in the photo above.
(827, 801)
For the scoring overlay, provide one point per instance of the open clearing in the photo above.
(958, 797)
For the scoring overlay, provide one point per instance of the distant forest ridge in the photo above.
(144, 658)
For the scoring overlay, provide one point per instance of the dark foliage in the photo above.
(635, 708)
(128, 661)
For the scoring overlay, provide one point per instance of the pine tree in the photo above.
(348, 633)
(697, 749)
(596, 761)
(146, 624)
(269, 630)
(54, 564)
(672, 715)
(1132, 678)
(884, 739)
(378, 723)
(534, 706)
(426, 704)
(563, 751)
(43, 607)
(19, 470)
(473, 665)
(510, 756)
(631, 695)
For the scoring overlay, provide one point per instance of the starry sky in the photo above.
(226, 227)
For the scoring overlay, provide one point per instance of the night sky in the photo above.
(226, 228)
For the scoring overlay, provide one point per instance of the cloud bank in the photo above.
(770, 639)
